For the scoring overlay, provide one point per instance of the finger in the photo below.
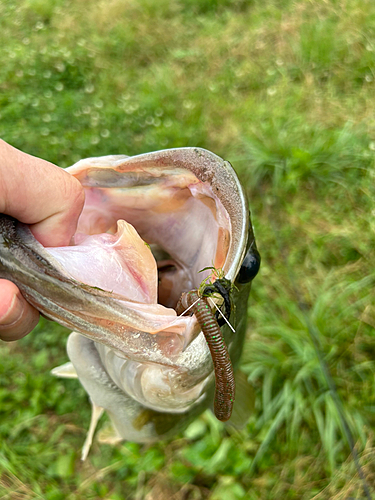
(41, 194)
(17, 317)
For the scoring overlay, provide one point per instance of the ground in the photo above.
(284, 90)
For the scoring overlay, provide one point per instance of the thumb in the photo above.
(41, 194)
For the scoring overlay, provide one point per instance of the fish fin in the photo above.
(66, 370)
(96, 413)
(109, 435)
(245, 401)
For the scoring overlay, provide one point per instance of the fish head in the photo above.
(163, 221)
(153, 226)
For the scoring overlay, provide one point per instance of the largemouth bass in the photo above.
(151, 227)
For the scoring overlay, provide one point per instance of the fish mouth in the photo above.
(145, 233)
(184, 205)
(150, 226)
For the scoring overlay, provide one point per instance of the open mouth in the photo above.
(145, 233)
(187, 204)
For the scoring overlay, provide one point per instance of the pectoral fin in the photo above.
(96, 413)
(66, 370)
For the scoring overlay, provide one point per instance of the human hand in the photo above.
(50, 200)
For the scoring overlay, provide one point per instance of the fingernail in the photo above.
(13, 314)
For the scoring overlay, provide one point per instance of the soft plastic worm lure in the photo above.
(224, 376)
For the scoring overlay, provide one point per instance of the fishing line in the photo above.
(324, 366)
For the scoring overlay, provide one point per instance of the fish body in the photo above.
(150, 225)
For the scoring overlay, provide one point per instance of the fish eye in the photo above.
(250, 265)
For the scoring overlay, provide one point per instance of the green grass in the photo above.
(285, 91)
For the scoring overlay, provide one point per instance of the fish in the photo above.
(154, 227)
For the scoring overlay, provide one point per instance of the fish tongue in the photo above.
(120, 263)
